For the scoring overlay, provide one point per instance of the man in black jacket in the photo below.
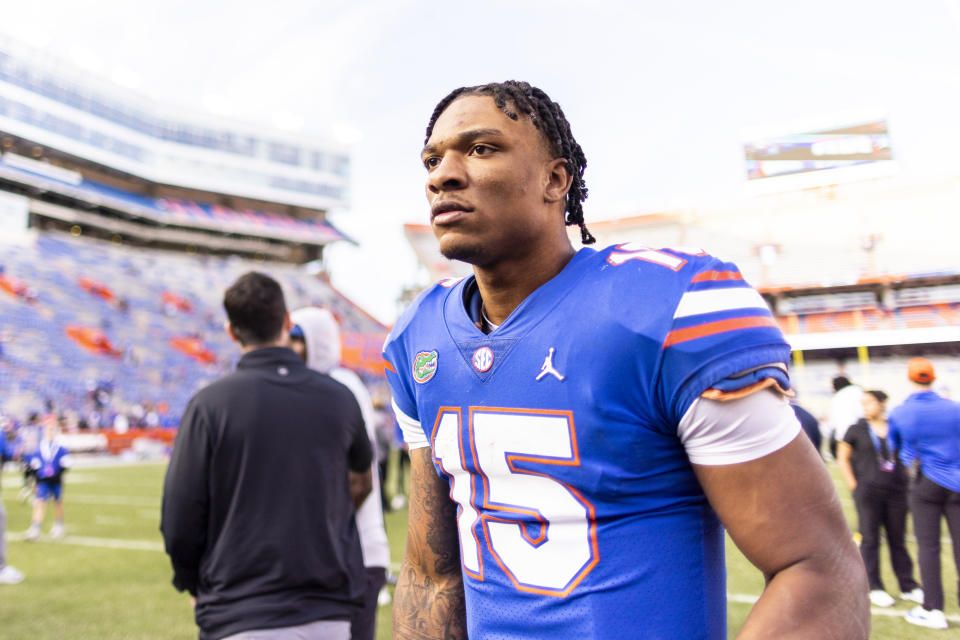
(258, 516)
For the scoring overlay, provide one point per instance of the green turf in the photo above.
(76, 590)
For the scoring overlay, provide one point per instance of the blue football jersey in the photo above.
(49, 460)
(579, 514)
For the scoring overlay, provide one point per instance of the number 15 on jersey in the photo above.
(539, 530)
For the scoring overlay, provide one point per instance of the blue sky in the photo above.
(658, 94)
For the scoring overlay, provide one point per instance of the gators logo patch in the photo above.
(424, 366)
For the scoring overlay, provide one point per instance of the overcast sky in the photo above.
(658, 94)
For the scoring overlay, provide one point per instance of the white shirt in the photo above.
(845, 410)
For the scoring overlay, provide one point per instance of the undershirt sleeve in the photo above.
(748, 428)
(413, 433)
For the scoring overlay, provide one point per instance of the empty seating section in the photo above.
(912, 317)
(180, 212)
(162, 327)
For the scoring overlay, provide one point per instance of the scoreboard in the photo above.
(819, 156)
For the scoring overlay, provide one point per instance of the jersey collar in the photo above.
(462, 308)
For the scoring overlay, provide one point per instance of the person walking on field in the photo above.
(927, 426)
(871, 467)
(49, 462)
(258, 500)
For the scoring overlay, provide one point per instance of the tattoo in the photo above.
(429, 601)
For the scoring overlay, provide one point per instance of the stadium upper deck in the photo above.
(185, 202)
(86, 154)
(92, 120)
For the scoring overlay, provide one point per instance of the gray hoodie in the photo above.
(322, 337)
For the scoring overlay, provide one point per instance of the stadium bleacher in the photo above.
(79, 315)
(913, 317)
(175, 211)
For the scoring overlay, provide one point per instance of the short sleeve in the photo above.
(851, 436)
(399, 378)
(412, 430)
(898, 439)
(719, 433)
(720, 327)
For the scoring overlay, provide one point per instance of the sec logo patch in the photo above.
(483, 359)
(424, 366)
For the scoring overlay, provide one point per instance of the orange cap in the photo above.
(920, 370)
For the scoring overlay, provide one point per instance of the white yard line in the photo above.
(103, 543)
(76, 498)
(97, 462)
(83, 478)
(125, 501)
(93, 462)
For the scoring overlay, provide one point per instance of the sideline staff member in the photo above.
(258, 518)
(928, 428)
(870, 465)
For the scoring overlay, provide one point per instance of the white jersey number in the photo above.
(540, 531)
(627, 251)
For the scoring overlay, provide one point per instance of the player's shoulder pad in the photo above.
(430, 298)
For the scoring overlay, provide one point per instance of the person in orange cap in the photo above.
(928, 429)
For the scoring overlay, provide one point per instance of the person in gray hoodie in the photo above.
(316, 338)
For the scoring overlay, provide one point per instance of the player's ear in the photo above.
(229, 329)
(285, 331)
(557, 180)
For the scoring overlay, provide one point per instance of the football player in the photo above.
(50, 461)
(584, 424)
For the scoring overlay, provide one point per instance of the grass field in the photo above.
(109, 578)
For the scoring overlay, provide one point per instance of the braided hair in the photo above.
(547, 116)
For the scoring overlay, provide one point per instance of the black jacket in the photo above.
(257, 517)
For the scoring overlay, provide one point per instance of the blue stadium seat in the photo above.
(41, 362)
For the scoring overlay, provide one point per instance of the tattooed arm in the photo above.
(429, 600)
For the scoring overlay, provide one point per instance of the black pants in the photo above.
(382, 470)
(403, 461)
(929, 502)
(887, 509)
(363, 624)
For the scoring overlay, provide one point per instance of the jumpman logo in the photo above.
(548, 367)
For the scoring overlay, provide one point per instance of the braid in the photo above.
(548, 117)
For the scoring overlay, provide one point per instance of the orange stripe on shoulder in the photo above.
(712, 328)
(388, 367)
(766, 383)
(716, 276)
